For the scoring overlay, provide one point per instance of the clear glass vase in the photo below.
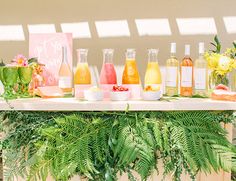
(216, 79)
(232, 80)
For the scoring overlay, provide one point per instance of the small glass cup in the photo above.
(25, 77)
(10, 76)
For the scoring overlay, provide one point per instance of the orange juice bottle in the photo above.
(186, 74)
(153, 73)
(130, 74)
(82, 73)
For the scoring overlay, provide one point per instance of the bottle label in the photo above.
(65, 82)
(200, 78)
(171, 76)
(186, 77)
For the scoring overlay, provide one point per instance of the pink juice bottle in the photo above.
(108, 74)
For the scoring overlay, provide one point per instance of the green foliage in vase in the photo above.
(216, 79)
(234, 53)
(216, 44)
(102, 145)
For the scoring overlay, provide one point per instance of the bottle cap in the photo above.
(108, 55)
(201, 48)
(82, 50)
(187, 49)
(152, 50)
(130, 50)
(108, 50)
(130, 54)
(82, 55)
(173, 48)
(152, 54)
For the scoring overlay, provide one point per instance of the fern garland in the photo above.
(102, 145)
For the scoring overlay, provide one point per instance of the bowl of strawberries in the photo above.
(119, 93)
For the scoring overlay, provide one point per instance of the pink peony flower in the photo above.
(20, 60)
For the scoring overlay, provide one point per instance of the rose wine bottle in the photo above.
(200, 73)
(186, 74)
(172, 66)
(65, 73)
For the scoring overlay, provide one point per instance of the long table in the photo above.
(72, 104)
(166, 104)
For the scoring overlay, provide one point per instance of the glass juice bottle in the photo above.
(108, 73)
(82, 73)
(65, 73)
(186, 74)
(172, 65)
(130, 74)
(201, 73)
(153, 73)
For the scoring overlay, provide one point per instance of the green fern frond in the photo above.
(156, 130)
(98, 145)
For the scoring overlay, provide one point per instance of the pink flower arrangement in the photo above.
(20, 60)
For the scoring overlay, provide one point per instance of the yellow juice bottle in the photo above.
(153, 73)
(82, 73)
(130, 74)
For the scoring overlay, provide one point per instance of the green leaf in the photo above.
(2, 63)
(33, 60)
(216, 45)
(234, 44)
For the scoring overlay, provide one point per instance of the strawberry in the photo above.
(119, 88)
(114, 88)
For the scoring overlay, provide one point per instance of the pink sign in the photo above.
(48, 49)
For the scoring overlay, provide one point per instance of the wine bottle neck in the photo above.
(64, 54)
(173, 55)
(152, 55)
(201, 55)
